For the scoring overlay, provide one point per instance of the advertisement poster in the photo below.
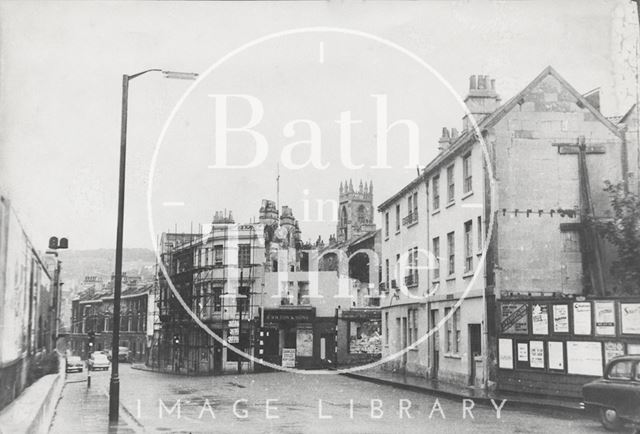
(536, 354)
(556, 356)
(613, 349)
(514, 318)
(505, 349)
(605, 318)
(582, 318)
(289, 357)
(584, 358)
(560, 318)
(523, 352)
(630, 313)
(633, 348)
(304, 341)
(540, 319)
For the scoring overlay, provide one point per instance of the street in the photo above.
(280, 402)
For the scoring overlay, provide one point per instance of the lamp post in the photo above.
(114, 384)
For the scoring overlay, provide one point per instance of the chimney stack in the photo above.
(482, 99)
(445, 140)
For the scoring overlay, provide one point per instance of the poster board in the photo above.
(613, 349)
(584, 358)
(633, 348)
(581, 318)
(536, 354)
(561, 318)
(630, 318)
(540, 319)
(605, 318)
(555, 351)
(289, 357)
(514, 318)
(304, 341)
(505, 352)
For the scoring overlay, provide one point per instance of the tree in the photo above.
(622, 230)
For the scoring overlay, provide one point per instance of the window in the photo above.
(386, 224)
(436, 192)
(217, 254)
(398, 218)
(386, 265)
(415, 203)
(479, 231)
(244, 255)
(621, 370)
(386, 326)
(453, 331)
(451, 184)
(410, 204)
(466, 173)
(413, 325)
(242, 300)
(451, 251)
(436, 255)
(217, 299)
(468, 246)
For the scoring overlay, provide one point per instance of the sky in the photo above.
(61, 67)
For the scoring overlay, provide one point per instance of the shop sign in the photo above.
(297, 315)
(605, 318)
(234, 339)
(234, 323)
(514, 318)
(630, 318)
(234, 331)
(540, 319)
(584, 358)
(289, 357)
(582, 318)
(560, 318)
(536, 354)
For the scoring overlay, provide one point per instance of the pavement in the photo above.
(439, 388)
(86, 410)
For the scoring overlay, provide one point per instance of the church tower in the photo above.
(355, 211)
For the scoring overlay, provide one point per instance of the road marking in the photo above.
(322, 52)
(172, 203)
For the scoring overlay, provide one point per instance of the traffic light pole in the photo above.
(114, 384)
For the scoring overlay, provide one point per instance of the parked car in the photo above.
(98, 361)
(616, 396)
(124, 355)
(74, 364)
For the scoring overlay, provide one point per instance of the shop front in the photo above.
(294, 337)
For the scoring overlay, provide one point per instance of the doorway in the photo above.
(475, 349)
(435, 343)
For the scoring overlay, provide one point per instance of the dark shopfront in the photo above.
(552, 346)
(306, 341)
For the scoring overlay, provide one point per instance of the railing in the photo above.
(411, 280)
(410, 219)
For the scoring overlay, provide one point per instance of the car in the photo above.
(73, 364)
(616, 396)
(124, 355)
(98, 361)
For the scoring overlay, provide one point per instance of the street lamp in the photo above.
(114, 384)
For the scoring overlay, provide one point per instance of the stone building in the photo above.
(455, 306)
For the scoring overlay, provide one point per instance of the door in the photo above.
(475, 349)
(269, 342)
(435, 344)
(217, 357)
(404, 343)
(327, 349)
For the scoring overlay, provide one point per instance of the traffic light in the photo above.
(176, 339)
(92, 338)
(53, 243)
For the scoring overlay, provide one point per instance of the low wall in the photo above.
(33, 410)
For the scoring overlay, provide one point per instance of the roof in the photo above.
(492, 119)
